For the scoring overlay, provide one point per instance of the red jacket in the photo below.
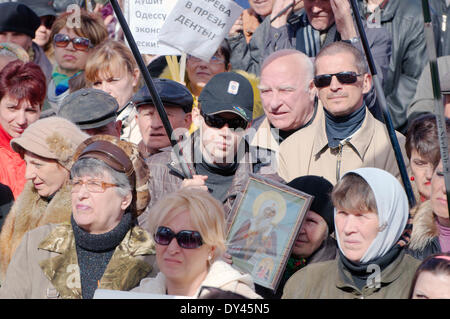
(12, 166)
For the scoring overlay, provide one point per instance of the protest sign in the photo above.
(197, 27)
(145, 18)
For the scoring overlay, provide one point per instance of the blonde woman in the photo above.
(112, 68)
(188, 228)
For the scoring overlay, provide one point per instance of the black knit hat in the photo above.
(321, 189)
(17, 17)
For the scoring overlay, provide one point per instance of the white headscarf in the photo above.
(393, 211)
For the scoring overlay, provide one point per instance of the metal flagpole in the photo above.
(187, 171)
(438, 104)
(382, 102)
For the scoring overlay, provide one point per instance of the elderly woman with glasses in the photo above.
(101, 246)
(74, 34)
(189, 230)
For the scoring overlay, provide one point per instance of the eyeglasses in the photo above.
(217, 121)
(79, 43)
(188, 239)
(346, 77)
(92, 185)
(214, 59)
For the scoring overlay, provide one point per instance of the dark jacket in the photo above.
(6, 201)
(167, 175)
(403, 20)
(331, 280)
(441, 25)
(327, 251)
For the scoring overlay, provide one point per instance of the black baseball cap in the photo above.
(227, 92)
(170, 92)
(89, 108)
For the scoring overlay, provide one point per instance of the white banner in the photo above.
(145, 19)
(197, 27)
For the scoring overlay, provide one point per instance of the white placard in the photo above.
(145, 19)
(198, 27)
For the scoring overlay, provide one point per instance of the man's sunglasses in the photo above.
(188, 239)
(217, 121)
(79, 43)
(346, 77)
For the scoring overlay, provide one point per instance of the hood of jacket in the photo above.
(220, 275)
(424, 226)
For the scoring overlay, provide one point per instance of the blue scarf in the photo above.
(61, 81)
(338, 128)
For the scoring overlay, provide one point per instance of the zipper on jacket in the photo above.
(338, 163)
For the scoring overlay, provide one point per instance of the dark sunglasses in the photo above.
(217, 121)
(346, 77)
(189, 239)
(79, 43)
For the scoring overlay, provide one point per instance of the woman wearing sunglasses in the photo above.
(189, 230)
(72, 44)
(100, 246)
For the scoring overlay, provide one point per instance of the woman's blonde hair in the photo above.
(207, 215)
(107, 58)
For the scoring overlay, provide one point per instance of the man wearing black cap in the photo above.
(216, 153)
(93, 111)
(177, 101)
(18, 24)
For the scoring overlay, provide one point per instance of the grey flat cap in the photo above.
(170, 92)
(89, 108)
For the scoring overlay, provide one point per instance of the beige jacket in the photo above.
(306, 152)
(45, 264)
(28, 212)
(221, 275)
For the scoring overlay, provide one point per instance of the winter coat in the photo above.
(425, 233)
(403, 20)
(46, 266)
(423, 101)
(12, 166)
(167, 175)
(220, 275)
(306, 152)
(41, 59)
(331, 280)
(327, 251)
(28, 212)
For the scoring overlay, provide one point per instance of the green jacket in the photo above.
(45, 264)
(330, 280)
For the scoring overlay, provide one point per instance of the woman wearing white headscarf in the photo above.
(372, 229)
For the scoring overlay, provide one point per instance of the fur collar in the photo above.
(424, 226)
(28, 212)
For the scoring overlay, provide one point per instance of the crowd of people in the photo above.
(94, 193)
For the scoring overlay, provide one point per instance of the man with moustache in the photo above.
(177, 101)
(346, 137)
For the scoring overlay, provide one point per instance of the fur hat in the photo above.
(52, 137)
(124, 157)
